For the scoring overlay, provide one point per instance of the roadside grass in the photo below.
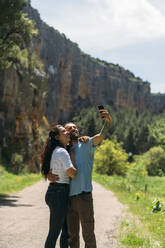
(11, 183)
(149, 230)
(132, 233)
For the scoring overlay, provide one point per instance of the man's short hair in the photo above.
(69, 123)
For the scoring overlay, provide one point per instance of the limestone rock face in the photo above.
(21, 111)
(157, 103)
(76, 80)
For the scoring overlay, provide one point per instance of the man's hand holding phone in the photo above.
(104, 114)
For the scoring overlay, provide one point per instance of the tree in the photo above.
(142, 140)
(137, 131)
(16, 32)
(110, 158)
(91, 127)
(129, 144)
(157, 130)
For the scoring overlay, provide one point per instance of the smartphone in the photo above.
(100, 107)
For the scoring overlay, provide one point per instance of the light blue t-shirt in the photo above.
(84, 155)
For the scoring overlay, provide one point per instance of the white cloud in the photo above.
(110, 23)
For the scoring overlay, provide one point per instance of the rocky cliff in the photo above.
(157, 103)
(21, 112)
(76, 80)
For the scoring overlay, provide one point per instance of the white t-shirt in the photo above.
(60, 162)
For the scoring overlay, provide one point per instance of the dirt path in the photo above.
(24, 218)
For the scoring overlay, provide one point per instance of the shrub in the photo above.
(110, 158)
(17, 162)
(155, 161)
(136, 176)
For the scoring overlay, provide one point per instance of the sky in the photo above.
(130, 33)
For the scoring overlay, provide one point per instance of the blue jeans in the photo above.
(56, 198)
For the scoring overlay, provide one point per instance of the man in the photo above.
(81, 202)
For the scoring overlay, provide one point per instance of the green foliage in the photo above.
(157, 129)
(11, 9)
(34, 86)
(132, 234)
(136, 176)
(133, 79)
(16, 34)
(156, 206)
(16, 158)
(154, 161)
(137, 131)
(88, 122)
(110, 158)
(17, 163)
(132, 240)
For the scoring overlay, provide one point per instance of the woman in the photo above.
(56, 157)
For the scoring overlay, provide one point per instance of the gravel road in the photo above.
(24, 217)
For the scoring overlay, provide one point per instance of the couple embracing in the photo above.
(67, 161)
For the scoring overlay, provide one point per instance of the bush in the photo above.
(110, 158)
(155, 161)
(136, 176)
(17, 163)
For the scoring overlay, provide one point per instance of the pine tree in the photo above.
(130, 142)
(91, 127)
(142, 142)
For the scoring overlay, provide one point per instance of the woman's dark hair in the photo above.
(51, 144)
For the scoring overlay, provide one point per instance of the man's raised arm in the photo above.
(104, 114)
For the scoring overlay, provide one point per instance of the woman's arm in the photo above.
(72, 171)
(68, 161)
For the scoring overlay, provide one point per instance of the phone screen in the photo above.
(100, 107)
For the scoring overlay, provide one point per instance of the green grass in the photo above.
(152, 225)
(133, 234)
(133, 240)
(10, 183)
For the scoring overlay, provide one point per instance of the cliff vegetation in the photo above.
(21, 89)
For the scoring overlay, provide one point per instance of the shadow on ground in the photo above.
(11, 201)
